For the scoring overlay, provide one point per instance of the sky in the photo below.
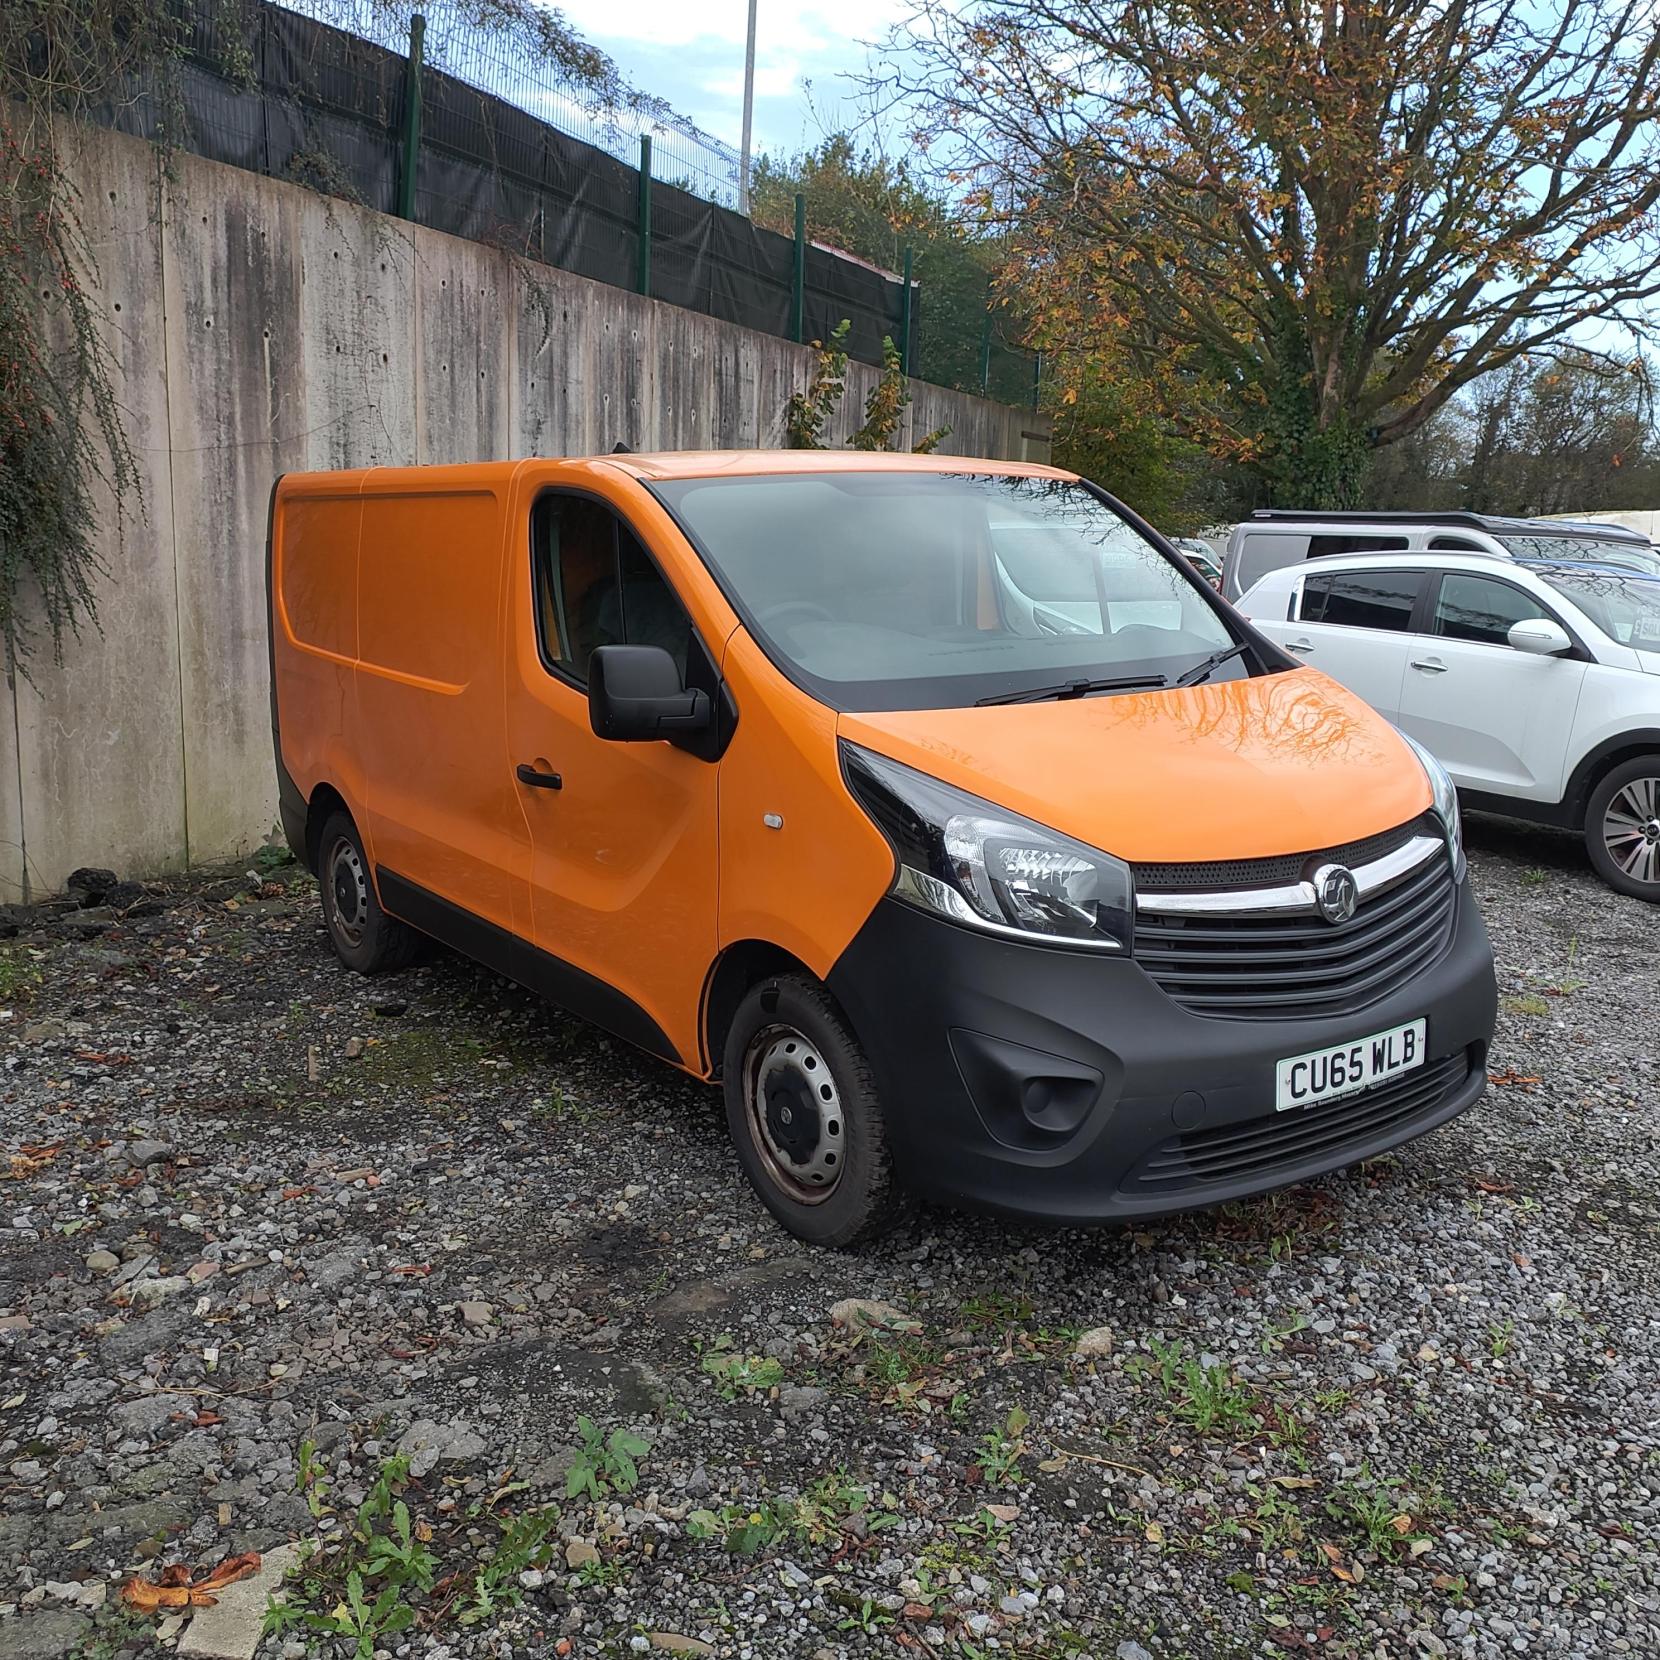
(691, 53)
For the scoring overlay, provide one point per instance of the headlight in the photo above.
(1446, 805)
(968, 860)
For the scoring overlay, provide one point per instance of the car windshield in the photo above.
(887, 590)
(1586, 550)
(1625, 608)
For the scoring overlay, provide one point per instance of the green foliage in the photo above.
(1207, 1397)
(18, 974)
(808, 413)
(357, 1587)
(819, 1517)
(1000, 1451)
(525, 1543)
(874, 208)
(604, 1463)
(737, 1374)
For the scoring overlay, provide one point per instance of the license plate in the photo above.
(1328, 1074)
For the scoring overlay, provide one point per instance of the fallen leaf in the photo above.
(1293, 1481)
(173, 1587)
(1004, 1512)
(1155, 1533)
(1334, 1561)
(1525, 1079)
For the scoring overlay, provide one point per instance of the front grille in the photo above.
(1281, 869)
(1256, 1147)
(1290, 967)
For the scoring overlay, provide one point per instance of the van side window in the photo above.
(1454, 544)
(1480, 609)
(1361, 599)
(597, 586)
(1322, 547)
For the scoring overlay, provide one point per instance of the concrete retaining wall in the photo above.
(259, 328)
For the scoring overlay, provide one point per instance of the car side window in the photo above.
(595, 585)
(1361, 599)
(1482, 610)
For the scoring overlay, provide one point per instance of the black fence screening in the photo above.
(296, 98)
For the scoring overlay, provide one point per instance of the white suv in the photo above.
(1536, 685)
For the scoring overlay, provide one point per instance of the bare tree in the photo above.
(1306, 224)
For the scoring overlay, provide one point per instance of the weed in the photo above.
(273, 854)
(18, 975)
(1279, 1330)
(524, 1544)
(735, 1373)
(996, 1310)
(819, 1517)
(365, 1579)
(1501, 1338)
(1569, 983)
(1206, 1396)
(866, 1617)
(311, 1481)
(1529, 1003)
(605, 1463)
(1374, 1509)
(1000, 1451)
(1535, 878)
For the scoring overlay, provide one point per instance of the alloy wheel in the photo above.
(1631, 829)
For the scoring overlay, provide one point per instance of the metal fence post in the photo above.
(1037, 378)
(905, 318)
(798, 276)
(412, 118)
(643, 264)
(985, 353)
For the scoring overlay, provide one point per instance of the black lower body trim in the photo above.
(539, 971)
(1066, 1085)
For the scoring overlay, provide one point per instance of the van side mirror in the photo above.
(635, 694)
(1540, 637)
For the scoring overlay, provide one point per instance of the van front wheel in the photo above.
(802, 1107)
(364, 937)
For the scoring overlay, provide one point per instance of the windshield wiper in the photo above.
(1077, 688)
(1204, 670)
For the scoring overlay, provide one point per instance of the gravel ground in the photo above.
(272, 1230)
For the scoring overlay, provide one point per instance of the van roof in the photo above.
(666, 464)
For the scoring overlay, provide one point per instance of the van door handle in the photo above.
(1430, 665)
(1299, 645)
(534, 780)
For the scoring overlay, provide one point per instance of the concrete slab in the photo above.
(231, 1629)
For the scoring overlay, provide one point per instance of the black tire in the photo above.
(364, 937)
(829, 1179)
(1622, 828)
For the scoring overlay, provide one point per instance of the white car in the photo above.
(1536, 685)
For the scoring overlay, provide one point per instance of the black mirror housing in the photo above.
(636, 695)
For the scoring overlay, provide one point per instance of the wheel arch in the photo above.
(1597, 763)
(740, 965)
(325, 799)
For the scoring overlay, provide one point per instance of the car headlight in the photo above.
(1446, 805)
(986, 868)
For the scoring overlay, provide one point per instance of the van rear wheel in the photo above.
(802, 1107)
(1622, 828)
(364, 937)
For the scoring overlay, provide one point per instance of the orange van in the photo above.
(931, 807)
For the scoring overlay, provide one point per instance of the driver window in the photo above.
(595, 585)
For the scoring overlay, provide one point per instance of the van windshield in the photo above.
(886, 590)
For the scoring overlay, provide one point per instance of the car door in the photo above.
(1356, 626)
(623, 869)
(1497, 718)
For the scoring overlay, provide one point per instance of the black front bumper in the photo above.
(1069, 1087)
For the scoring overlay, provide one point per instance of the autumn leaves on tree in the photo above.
(1291, 232)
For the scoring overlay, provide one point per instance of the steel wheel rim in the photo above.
(1631, 829)
(348, 893)
(793, 1107)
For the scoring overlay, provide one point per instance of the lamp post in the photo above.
(749, 113)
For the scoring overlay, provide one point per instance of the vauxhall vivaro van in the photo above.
(933, 807)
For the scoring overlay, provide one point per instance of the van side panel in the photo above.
(810, 885)
(316, 522)
(442, 811)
